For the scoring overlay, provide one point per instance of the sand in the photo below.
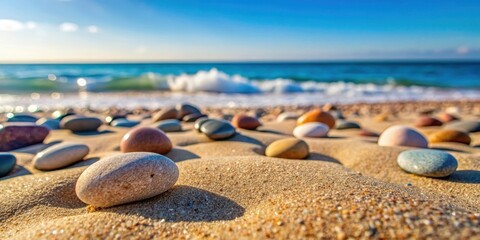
(349, 187)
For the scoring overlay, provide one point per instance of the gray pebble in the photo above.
(7, 163)
(193, 117)
(77, 123)
(427, 162)
(19, 117)
(122, 122)
(342, 124)
(199, 122)
(217, 129)
(171, 125)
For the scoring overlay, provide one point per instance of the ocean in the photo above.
(234, 84)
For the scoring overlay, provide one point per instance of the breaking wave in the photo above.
(208, 88)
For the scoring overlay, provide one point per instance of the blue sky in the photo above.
(176, 30)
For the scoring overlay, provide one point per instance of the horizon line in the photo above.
(333, 60)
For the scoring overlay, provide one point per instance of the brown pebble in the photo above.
(426, 121)
(366, 133)
(317, 115)
(18, 135)
(290, 148)
(164, 114)
(146, 139)
(245, 122)
(450, 135)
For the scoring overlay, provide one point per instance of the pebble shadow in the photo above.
(178, 155)
(464, 176)
(321, 157)
(242, 138)
(62, 195)
(16, 172)
(34, 149)
(85, 162)
(184, 204)
(260, 151)
(93, 133)
(273, 132)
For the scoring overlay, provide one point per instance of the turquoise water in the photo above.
(28, 86)
(150, 76)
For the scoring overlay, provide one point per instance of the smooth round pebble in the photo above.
(426, 121)
(171, 125)
(290, 148)
(342, 124)
(427, 162)
(76, 123)
(287, 116)
(21, 117)
(126, 178)
(402, 136)
(49, 123)
(185, 109)
(217, 129)
(245, 122)
(122, 122)
(164, 114)
(317, 115)
(145, 139)
(60, 155)
(193, 117)
(450, 135)
(199, 122)
(311, 130)
(464, 126)
(19, 135)
(7, 163)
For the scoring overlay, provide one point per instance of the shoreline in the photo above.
(131, 100)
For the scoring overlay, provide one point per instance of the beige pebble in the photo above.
(126, 178)
(311, 130)
(402, 136)
(60, 155)
(290, 148)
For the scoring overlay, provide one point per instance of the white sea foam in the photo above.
(211, 81)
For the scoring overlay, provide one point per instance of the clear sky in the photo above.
(237, 30)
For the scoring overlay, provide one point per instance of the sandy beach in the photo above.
(139, 119)
(348, 186)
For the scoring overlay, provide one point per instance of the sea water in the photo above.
(154, 85)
